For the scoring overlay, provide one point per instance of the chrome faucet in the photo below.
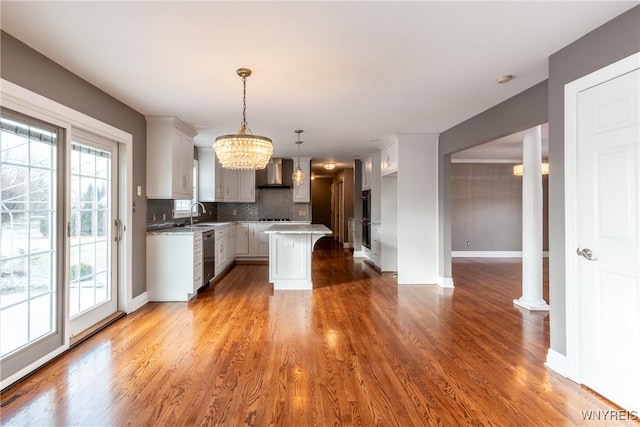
(191, 210)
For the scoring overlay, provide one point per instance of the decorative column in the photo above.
(531, 298)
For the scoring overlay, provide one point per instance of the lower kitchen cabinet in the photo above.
(225, 248)
(242, 239)
(376, 246)
(258, 239)
(174, 266)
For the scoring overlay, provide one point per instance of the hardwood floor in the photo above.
(358, 350)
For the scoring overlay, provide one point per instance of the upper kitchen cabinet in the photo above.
(371, 172)
(367, 168)
(389, 160)
(223, 185)
(302, 192)
(169, 158)
(210, 185)
(239, 186)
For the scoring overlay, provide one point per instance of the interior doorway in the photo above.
(602, 162)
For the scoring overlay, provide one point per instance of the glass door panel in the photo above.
(92, 250)
(29, 288)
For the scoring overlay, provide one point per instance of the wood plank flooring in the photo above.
(358, 350)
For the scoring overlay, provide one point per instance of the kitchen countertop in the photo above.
(298, 229)
(197, 228)
(208, 226)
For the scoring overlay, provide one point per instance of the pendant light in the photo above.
(243, 150)
(298, 175)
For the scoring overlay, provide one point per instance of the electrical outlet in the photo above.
(234, 212)
(468, 243)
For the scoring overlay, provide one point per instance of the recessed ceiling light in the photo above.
(504, 79)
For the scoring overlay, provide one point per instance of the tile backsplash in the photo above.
(270, 203)
(160, 214)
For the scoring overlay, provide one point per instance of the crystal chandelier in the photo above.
(298, 175)
(243, 150)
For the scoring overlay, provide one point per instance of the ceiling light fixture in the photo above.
(504, 79)
(519, 169)
(243, 150)
(298, 175)
(329, 166)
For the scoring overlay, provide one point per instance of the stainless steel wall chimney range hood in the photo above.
(274, 175)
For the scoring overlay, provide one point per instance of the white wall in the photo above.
(417, 209)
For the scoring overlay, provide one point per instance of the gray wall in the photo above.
(523, 111)
(321, 201)
(346, 177)
(486, 207)
(605, 45)
(31, 70)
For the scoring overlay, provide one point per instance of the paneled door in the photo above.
(608, 171)
(93, 231)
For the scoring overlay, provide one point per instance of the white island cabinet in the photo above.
(290, 249)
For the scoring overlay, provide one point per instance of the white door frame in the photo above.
(570, 366)
(24, 101)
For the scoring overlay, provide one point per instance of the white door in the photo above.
(93, 231)
(608, 171)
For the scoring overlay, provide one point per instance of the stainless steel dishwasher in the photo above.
(208, 256)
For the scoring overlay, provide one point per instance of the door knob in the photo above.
(586, 252)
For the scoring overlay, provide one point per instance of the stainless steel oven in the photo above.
(366, 219)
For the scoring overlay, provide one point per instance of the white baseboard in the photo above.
(137, 302)
(560, 364)
(445, 282)
(491, 254)
(359, 254)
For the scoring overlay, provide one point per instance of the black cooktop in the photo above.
(274, 219)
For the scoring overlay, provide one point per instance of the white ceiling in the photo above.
(351, 74)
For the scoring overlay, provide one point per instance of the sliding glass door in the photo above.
(93, 231)
(59, 237)
(31, 297)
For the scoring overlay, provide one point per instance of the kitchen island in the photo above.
(290, 251)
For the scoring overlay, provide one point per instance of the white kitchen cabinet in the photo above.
(389, 160)
(302, 192)
(376, 245)
(210, 185)
(242, 239)
(258, 239)
(239, 186)
(367, 170)
(223, 185)
(246, 186)
(225, 248)
(169, 158)
(174, 265)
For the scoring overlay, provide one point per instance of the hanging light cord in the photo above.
(244, 105)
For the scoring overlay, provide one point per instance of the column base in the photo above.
(531, 305)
